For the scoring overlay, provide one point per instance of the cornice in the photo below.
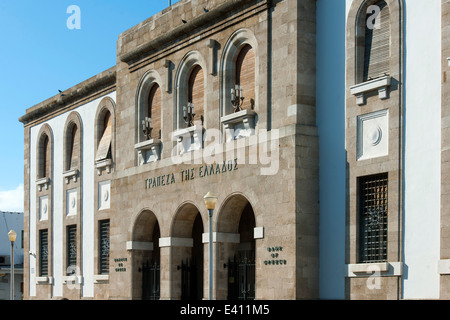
(181, 31)
(82, 91)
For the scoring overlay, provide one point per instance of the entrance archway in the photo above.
(145, 257)
(187, 254)
(236, 252)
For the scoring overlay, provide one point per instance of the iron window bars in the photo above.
(104, 247)
(43, 252)
(71, 249)
(373, 212)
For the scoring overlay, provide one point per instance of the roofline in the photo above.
(84, 89)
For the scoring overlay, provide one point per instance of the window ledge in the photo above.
(148, 144)
(240, 124)
(71, 174)
(189, 139)
(190, 131)
(103, 165)
(238, 116)
(44, 280)
(444, 266)
(369, 269)
(101, 278)
(139, 245)
(380, 84)
(43, 182)
(72, 279)
(148, 151)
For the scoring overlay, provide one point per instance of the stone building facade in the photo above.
(235, 98)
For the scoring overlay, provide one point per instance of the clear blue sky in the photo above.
(39, 55)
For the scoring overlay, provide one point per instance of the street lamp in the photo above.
(12, 237)
(210, 202)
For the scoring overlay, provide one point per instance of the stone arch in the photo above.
(44, 152)
(147, 82)
(187, 64)
(73, 141)
(144, 234)
(355, 35)
(235, 244)
(183, 220)
(103, 158)
(187, 253)
(142, 223)
(230, 211)
(237, 41)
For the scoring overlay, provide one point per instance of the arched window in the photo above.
(44, 157)
(193, 111)
(104, 136)
(72, 158)
(240, 82)
(375, 54)
(243, 93)
(154, 112)
(104, 144)
(190, 108)
(73, 147)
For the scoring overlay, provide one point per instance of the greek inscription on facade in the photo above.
(192, 173)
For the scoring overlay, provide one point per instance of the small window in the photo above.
(376, 41)
(71, 249)
(43, 252)
(104, 247)
(373, 209)
(104, 146)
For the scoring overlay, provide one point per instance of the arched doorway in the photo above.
(236, 224)
(188, 256)
(146, 257)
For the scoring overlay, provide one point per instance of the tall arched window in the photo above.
(240, 82)
(375, 54)
(73, 156)
(245, 79)
(104, 145)
(193, 112)
(154, 112)
(44, 156)
(72, 147)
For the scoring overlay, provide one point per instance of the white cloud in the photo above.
(12, 200)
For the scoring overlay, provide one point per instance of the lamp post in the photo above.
(12, 237)
(210, 202)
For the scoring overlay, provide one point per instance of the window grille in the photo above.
(43, 253)
(104, 247)
(71, 249)
(373, 210)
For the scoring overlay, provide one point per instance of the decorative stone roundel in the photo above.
(73, 202)
(375, 136)
(105, 195)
